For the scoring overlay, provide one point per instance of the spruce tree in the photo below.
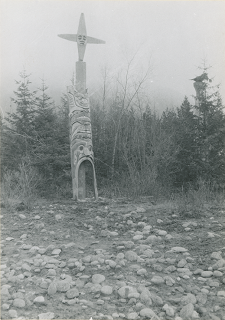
(210, 134)
(19, 135)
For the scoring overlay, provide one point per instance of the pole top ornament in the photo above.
(81, 38)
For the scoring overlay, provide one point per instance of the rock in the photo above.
(22, 216)
(201, 298)
(217, 273)
(216, 255)
(25, 267)
(169, 310)
(48, 315)
(162, 232)
(132, 316)
(72, 293)
(56, 251)
(221, 293)
(189, 298)
(152, 238)
(39, 300)
(131, 255)
(107, 290)
(170, 269)
(157, 301)
(52, 289)
(63, 285)
(98, 278)
(169, 281)
(137, 237)
(128, 292)
(148, 253)
(182, 263)
(140, 210)
(51, 273)
(198, 271)
(145, 297)
(100, 301)
(206, 274)
(19, 303)
(5, 290)
(111, 263)
(148, 313)
(5, 306)
(157, 280)
(178, 249)
(141, 272)
(187, 311)
(13, 313)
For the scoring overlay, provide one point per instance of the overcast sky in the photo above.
(175, 36)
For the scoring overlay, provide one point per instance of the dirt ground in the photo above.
(106, 225)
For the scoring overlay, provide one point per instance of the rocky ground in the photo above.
(112, 260)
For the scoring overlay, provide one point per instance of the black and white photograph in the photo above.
(112, 159)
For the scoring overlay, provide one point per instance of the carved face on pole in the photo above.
(81, 40)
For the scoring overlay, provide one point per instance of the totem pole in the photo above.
(200, 87)
(81, 146)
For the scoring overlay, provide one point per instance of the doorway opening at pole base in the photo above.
(86, 180)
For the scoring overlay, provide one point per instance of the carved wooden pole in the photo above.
(79, 116)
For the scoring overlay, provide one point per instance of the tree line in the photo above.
(137, 151)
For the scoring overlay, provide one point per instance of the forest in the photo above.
(138, 152)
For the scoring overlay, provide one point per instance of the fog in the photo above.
(173, 37)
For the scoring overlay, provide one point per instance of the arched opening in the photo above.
(86, 180)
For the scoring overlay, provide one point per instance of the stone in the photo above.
(140, 210)
(201, 298)
(137, 237)
(5, 306)
(221, 293)
(19, 303)
(216, 255)
(169, 281)
(187, 311)
(217, 273)
(157, 280)
(56, 251)
(72, 293)
(47, 315)
(112, 263)
(170, 269)
(162, 232)
(141, 272)
(39, 300)
(206, 274)
(131, 255)
(152, 238)
(25, 267)
(178, 249)
(182, 263)
(189, 298)
(63, 285)
(145, 297)
(51, 273)
(52, 289)
(128, 291)
(98, 278)
(13, 313)
(148, 253)
(169, 310)
(107, 290)
(132, 315)
(148, 313)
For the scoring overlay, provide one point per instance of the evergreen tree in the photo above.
(19, 136)
(210, 134)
